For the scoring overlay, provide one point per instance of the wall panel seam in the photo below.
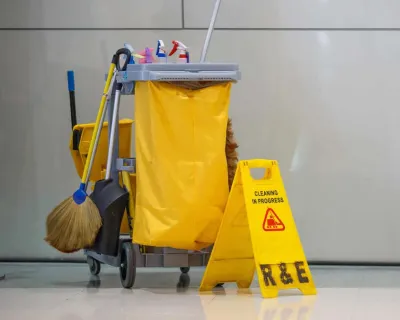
(199, 29)
(183, 13)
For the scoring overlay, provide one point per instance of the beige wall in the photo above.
(319, 93)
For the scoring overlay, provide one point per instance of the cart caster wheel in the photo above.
(183, 283)
(94, 266)
(127, 270)
(185, 269)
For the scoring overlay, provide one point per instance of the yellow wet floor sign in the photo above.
(258, 232)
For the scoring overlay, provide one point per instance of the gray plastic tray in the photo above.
(180, 72)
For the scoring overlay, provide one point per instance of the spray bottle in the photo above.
(160, 53)
(147, 54)
(128, 87)
(133, 54)
(183, 54)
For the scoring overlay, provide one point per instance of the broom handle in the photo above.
(85, 175)
(210, 31)
(98, 133)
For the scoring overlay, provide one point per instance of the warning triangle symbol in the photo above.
(272, 221)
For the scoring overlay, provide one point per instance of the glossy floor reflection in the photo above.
(67, 291)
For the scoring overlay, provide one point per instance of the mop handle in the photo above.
(72, 103)
(210, 31)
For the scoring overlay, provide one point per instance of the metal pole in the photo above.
(210, 31)
(114, 171)
(113, 147)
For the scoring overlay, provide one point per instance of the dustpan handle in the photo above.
(127, 53)
(115, 63)
(114, 120)
(210, 31)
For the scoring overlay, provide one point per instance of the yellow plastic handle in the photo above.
(98, 119)
(260, 163)
(270, 166)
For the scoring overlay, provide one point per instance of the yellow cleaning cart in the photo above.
(210, 84)
(177, 179)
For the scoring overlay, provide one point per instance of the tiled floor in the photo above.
(68, 292)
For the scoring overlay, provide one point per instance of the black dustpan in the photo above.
(110, 198)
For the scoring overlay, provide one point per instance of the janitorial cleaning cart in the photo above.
(162, 205)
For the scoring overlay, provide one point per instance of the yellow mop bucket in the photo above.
(182, 179)
(79, 147)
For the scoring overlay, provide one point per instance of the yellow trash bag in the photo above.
(182, 178)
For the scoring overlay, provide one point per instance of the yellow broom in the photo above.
(75, 222)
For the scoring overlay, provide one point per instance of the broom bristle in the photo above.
(72, 227)
(232, 157)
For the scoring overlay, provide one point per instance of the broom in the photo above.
(75, 222)
(232, 157)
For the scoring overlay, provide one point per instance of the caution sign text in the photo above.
(258, 233)
(266, 196)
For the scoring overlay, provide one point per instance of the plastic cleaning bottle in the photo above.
(160, 53)
(147, 54)
(133, 54)
(130, 48)
(183, 53)
(128, 87)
